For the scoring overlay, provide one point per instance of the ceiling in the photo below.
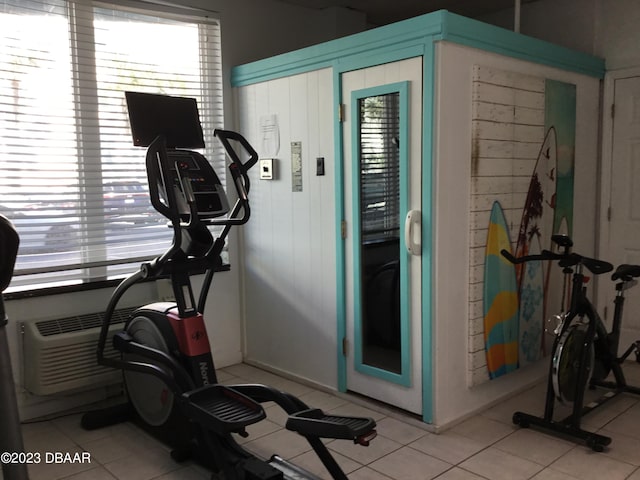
(382, 12)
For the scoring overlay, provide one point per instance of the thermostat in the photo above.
(266, 169)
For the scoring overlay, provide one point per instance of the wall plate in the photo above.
(266, 169)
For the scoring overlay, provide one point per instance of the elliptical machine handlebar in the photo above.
(238, 170)
(157, 162)
(224, 136)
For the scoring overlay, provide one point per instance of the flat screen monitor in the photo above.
(176, 118)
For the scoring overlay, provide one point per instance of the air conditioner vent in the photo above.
(60, 354)
(78, 323)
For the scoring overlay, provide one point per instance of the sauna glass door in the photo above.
(382, 147)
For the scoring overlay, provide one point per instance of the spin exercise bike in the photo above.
(584, 353)
(169, 372)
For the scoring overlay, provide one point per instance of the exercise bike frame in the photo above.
(596, 336)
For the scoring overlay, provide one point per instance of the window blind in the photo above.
(72, 182)
(379, 167)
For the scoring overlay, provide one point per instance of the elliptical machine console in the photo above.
(169, 373)
(190, 169)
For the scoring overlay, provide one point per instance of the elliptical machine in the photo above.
(10, 430)
(169, 372)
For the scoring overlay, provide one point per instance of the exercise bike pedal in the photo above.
(315, 423)
(222, 409)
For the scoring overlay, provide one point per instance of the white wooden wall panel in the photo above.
(507, 131)
(289, 243)
(460, 221)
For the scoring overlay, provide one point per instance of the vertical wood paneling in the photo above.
(289, 246)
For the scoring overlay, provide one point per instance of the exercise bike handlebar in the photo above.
(595, 266)
(546, 255)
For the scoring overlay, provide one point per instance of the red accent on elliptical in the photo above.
(190, 332)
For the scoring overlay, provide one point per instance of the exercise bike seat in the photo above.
(626, 272)
(221, 409)
(314, 422)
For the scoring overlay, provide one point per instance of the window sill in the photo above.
(80, 287)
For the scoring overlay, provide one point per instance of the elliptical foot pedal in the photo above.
(222, 409)
(315, 423)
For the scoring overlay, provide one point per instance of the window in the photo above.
(71, 181)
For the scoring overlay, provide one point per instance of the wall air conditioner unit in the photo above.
(60, 354)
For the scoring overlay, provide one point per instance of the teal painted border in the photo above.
(341, 301)
(340, 53)
(404, 378)
(428, 107)
(472, 33)
(438, 26)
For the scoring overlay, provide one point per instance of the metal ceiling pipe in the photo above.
(516, 17)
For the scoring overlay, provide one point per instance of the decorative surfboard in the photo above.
(538, 211)
(536, 225)
(531, 319)
(500, 299)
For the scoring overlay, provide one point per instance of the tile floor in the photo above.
(486, 446)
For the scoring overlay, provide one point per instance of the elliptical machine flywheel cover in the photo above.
(149, 395)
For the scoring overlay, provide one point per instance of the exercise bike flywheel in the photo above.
(566, 369)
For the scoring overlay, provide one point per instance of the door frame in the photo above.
(427, 51)
(608, 99)
(404, 378)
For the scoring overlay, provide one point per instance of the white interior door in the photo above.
(382, 133)
(624, 226)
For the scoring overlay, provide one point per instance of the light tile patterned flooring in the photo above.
(486, 446)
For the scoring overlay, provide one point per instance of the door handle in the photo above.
(413, 232)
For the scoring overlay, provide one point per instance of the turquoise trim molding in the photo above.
(386, 39)
(428, 108)
(404, 377)
(341, 302)
(471, 33)
(415, 32)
